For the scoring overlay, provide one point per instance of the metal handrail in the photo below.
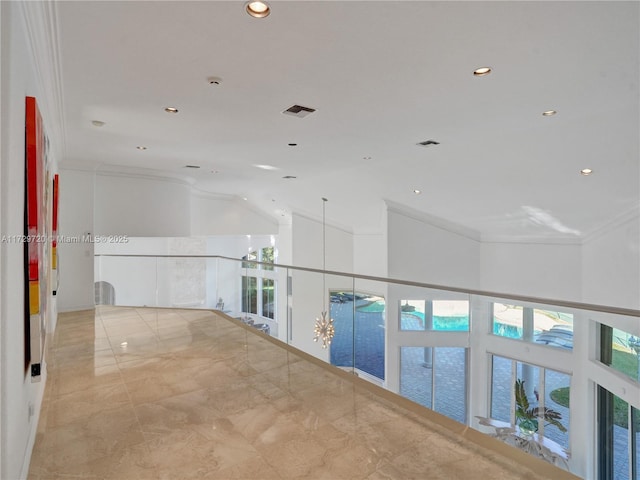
(523, 298)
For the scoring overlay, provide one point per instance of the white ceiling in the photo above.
(382, 76)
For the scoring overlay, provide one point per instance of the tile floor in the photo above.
(138, 393)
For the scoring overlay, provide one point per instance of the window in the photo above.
(515, 384)
(359, 320)
(250, 294)
(439, 315)
(435, 377)
(618, 438)
(267, 255)
(618, 422)
(268, 297)
(620, 350)
(250, 256)
(545, 327)
(412, 315)
(258, 288)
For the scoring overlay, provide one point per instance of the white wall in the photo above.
(541, 270)
(218, 215)
(370, 254)
(423, 251)
(611, 264)
(17, 394)
(307, 245)
(75, 291)
(141, 206)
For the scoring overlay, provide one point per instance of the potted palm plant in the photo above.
(527, 417)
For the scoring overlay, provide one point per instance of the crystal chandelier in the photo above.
(324, 329)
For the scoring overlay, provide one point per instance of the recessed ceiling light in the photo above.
(289, 177)
(140, 147)
(97, 123)
(417, 192)
(482, 71)
(257, 9)
(549, 113)
(586, 171)
(245, 198)
(171, 110)
(266, 167)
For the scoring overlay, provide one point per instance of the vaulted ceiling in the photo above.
(382, 76)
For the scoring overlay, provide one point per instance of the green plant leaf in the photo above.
(522, 402)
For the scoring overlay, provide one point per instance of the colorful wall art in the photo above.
(37, 237)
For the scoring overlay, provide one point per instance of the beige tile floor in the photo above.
(138, 393)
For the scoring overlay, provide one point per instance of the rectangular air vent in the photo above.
(192, 166)
(299, 111)
(428, 143)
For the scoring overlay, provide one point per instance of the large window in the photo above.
(435, 377)
(533, 398)
(258, 288)
(618, 422)
(359, 320)
(545, 327)
(618, 438)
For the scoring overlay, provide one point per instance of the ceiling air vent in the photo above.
(428, 143)
(192, 166)
(299, 111)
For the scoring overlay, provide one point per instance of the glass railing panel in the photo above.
(126, 281)
(369, 329)
(416, 375)
(311, 294)
(228, 287)
(436, 347)
(502, 380)
(557, 389)
(182, 282)
(450, 383)
(432, 328)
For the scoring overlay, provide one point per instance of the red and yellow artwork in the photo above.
(37, 235)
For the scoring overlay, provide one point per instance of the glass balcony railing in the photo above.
(539, 374)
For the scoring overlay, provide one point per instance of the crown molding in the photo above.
(319, 220)
(531, 239)
(41, 22)
(432, 220)
(236, 200)
(144, 176)
(197, 192)
(627, 216)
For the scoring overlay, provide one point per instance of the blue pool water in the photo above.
(368, 339)
(415, 321)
